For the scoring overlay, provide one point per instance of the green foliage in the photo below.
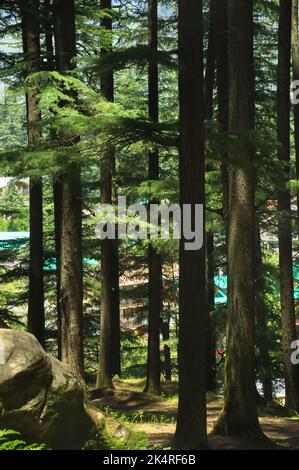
(134, 351)
(14, 206)
(12, 119)
(104, 441)
(12, 440)
(136, 55)
(71, 106)
(140, 417)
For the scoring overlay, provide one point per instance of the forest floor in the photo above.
(155, 418)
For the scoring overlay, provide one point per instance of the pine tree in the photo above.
(31, 44)
(191, 430)
(295, 66)
(71, 276)
(221, 45)
(261, 321)
(154, 259)
(210, 262)
(284, 203)
(239, 416)
(109, 349)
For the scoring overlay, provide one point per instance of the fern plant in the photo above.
(12, 440)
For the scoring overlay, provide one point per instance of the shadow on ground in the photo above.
(159, 414)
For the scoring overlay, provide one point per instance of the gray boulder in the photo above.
(39, 396)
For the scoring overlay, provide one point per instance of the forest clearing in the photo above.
(149, 226)
(155, 418)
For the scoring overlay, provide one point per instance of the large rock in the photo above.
(39, 396)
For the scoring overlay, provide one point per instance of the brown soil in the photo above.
(159, 416)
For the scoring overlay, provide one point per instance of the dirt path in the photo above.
(155, 418)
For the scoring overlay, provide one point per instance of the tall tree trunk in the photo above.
(116, 333)
(209, 81)
(211, 330)
(209, 92)
(167, 354)
(109, 349)
(284, 203)
(71, 278)
(239, 416)
(36, 312)
(57, 194)
(264, 363)
(48, 31)
(295, 65)
(31, 45)
(191, 432)
(57, 190)
(154, 259)
(221, 41)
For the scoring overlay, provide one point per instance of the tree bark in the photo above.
(191, 430)
(209, 95)
(284, 203)
(57, 194)
(211, 330)
(71, 276)
(153, 384)
(221, 45)
(57, 190)
(109, 349)
(239, 416)
(264, 363)
(48, 30)
(36, 311)
(167, 353)
(31, 46)
(209, 81)
(295, 65)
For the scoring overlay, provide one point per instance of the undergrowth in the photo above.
(104, 441)
(140, 417)
(12, 440)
